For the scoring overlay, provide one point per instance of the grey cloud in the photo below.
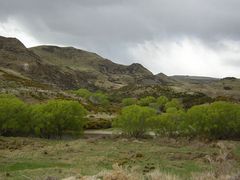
(111, 26)
(128, 20)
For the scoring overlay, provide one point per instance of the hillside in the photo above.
(67, 68)
(70, 68)
(15, 57)
(226, 88)
(100, 72)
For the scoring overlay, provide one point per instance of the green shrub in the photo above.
(159, 104)
(174, 103)
(197, 122)
(218, 120)
(58, 116)
(162, 100)
(134, 120)
(146, 101)
(98, 124)
(84, 93)
(129, 101)
(99, 99)
(168, 124)
(14, 116)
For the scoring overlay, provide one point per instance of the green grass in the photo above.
(23, 165)
(42, 158)
(237, 151)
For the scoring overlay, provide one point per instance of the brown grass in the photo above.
(120, 173)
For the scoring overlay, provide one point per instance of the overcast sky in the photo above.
(194, 37)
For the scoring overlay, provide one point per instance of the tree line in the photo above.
(46, 120)
(165, 117)
(217, 120)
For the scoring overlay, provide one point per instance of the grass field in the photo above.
(33, 158)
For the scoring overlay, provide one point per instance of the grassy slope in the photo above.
(31, 157)
(70, 57)
(107, 74)
(209, 86)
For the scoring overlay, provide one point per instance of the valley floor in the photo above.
(33, 158)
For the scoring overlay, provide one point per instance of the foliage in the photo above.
(99, 99)
(134, 120)
(57, 116)
(175, 103)
(45, 120)
(146, 101)
(98, 124)
(160, 103)
(189, 100)
(162, 100)
(84, 93)
(129, 101)
(168, 124)
(218, 120)
(14, 117)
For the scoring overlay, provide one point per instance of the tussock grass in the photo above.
(93, 157)
(120, 173)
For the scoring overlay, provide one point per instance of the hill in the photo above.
(224, 89)
(68, 68)
(99, 72)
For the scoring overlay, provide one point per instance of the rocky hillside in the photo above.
(65, 68)
(99, 72)
(70, 68)
(15, 57)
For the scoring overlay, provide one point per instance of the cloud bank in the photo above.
(175, 37)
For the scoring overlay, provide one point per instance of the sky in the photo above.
(187, 37)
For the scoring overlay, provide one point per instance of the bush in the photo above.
(219, 120)
(162, 100)
(99, 99)
(84, 93)
(58, 116)
(174, 103)
(98, 124)
(129, 101)
(146, 101)
(168, 124)
(159, 104)
(14, 116)
(134, 120)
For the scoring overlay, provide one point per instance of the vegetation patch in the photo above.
(23, 165)
(88, 157)
(46, 120)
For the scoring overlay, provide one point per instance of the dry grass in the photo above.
(139, 159)
(120, 173)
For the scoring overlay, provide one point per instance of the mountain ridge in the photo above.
(71, 68)
(68, 68)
